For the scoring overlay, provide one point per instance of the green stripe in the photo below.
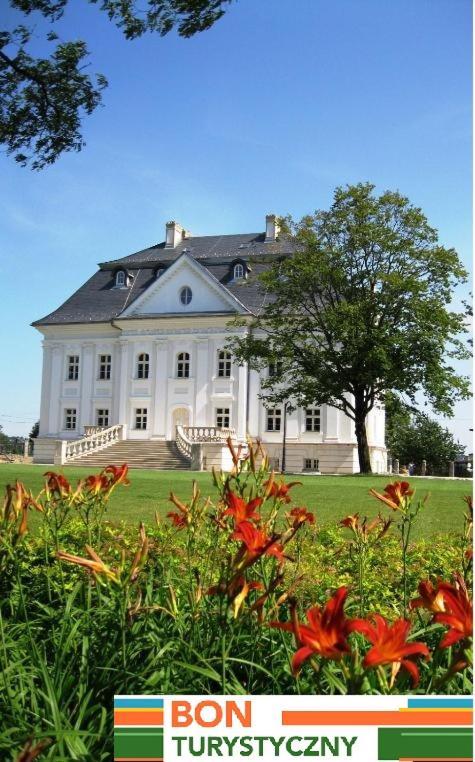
(130, 742)
(394, 743)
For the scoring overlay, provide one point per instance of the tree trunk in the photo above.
(361, 437)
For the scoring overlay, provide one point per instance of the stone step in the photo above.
(152, 455)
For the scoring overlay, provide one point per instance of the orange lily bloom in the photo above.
(57, 483)
(118, 474)
(430, 598)
(390, 645)
(395, 495)
(325, 634)
(240, 510)
(300, 516)
(256, 542)
(280, 490)
(96, 483)
(458, 614)
(182, 518)
(351, 522)
(95, 564)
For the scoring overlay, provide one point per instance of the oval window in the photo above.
(186, 295)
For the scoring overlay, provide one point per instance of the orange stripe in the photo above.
(145, 717)
(375, 718)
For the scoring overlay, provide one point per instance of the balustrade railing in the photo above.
(184, 444)
(207, 433)
(94, 442)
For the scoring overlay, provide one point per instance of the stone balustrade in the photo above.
(98, 440)
(207, 433)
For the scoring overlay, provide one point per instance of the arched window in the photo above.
(238, 271)
(143, 365)
(120, 278)
(183, 365)
(224, 364)
(186, 295)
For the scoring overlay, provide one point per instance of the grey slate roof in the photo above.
(97, 301)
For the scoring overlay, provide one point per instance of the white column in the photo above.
(241, 402)
(46, 389)
(123, 371)
(55, 391)
(160, 389)
(202, 376)
(254, 404)
(116, 376)
(331, 424)
(86, 371)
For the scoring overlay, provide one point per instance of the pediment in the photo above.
(162, 297)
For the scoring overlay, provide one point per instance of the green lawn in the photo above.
(330, 497)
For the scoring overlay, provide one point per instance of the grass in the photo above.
(330, 497)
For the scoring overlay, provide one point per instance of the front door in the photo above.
(180, 417)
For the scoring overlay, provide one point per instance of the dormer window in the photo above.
(238, 271)
(186, 296)
(159, 271)
(120, 279)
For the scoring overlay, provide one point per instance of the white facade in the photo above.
(126, 371)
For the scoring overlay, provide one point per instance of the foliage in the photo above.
(35, 430)
(213, 600)
(368, 288)
(412, 436)
(42, 100)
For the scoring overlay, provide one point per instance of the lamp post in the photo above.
(284, 436)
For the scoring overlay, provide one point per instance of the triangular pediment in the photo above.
(162, 297)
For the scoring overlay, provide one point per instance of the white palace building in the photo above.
(135, 366)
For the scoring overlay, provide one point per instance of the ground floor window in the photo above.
(70, 418)
(102, 417)
(274, 419)
(141, 418)
(222, 417)
(311, 464)
(312, 419)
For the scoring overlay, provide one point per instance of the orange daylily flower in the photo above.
(280, 490)
(240, 510)
(182, 518)
(325, 634)
(458, 614)
(96, 484)
(118, 474)
(300, 516)
(351, 522)
(95, 564)
(390, 645)
(57, 483)
(430, 598)
(395, 495)
(140, 555)
(256, 542)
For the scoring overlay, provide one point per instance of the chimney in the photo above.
(272, 227)
(174, 234)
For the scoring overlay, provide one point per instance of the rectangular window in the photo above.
(73, 367)
(274, 419)
(141, 418)
(102, 417)
(222, 417)
(275, 369)
(224, 365)
(105, 363)
(312, 419)
(311, 464)
(70, 418)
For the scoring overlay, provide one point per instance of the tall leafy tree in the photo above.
(44, 99)
(361, 307)
(412, 436)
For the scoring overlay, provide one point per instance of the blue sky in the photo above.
(281, 101)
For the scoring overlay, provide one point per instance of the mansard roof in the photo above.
(97, 301)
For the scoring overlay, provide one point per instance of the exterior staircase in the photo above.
(137, 454)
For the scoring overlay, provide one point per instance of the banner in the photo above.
(363, 729)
